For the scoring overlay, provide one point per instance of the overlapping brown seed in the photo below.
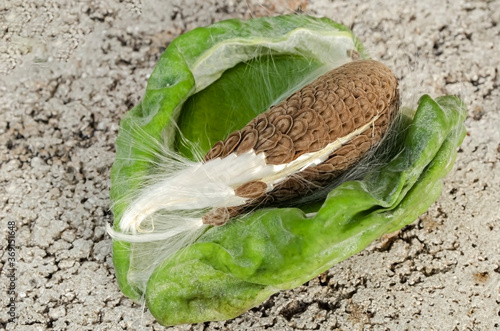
(218, 216)
(215, 152)
(331, 107)
(248, 141)
(252, 190)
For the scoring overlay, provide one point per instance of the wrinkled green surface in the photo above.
(235, 267)
(173, 86)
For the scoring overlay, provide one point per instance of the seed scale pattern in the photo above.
(329, 108)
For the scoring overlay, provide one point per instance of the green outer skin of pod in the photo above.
(232, 268)
(235, 267)
(170, 86)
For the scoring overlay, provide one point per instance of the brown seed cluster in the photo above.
(331, 107)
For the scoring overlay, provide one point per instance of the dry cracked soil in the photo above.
(70, 70)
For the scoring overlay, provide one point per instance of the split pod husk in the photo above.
(274, 109)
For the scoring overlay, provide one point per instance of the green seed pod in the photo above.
(243, 123)
(317, 133)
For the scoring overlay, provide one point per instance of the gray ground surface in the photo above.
(69, 71)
